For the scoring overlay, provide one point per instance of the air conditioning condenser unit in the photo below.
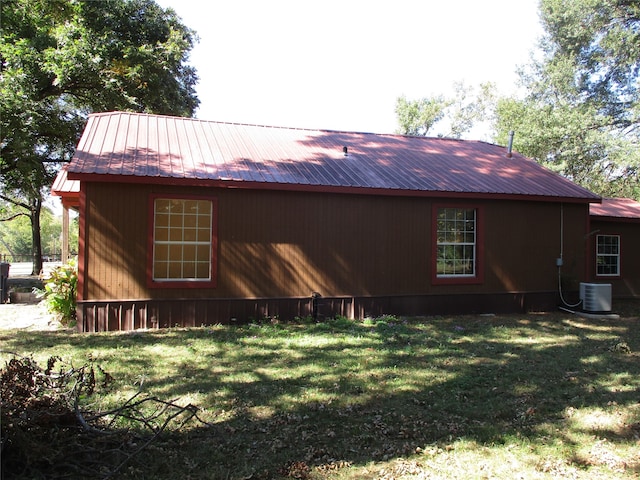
(596, 297)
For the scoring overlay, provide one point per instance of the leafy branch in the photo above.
(11, 217)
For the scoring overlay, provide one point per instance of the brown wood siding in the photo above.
(289, 244)
(628, 283)
(115, 250)
(281, 244)
(271, 244)
(97, 316)
(523, 241)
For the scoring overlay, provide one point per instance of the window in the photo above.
(182, 240)
(456, 241)
(608, 255)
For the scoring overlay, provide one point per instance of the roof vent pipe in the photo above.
(345, 150)
(510, 145)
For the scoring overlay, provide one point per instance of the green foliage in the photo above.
(60, 292)
(455, 116)
(62, 59)
(600, 41)
(16, 234)
(417, 117)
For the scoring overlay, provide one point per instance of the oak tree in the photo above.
(581, 113)
(62, 59)
(442, 116)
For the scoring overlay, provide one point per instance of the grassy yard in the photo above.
(532, 396)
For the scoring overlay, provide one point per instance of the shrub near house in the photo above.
(60, 293)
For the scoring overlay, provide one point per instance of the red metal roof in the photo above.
(68, 190)
(63, 186)
(132, 147)
(616, 208)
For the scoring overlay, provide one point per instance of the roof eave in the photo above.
(321, 188)
(610, 218)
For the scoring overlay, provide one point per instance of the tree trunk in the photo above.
(36, 243)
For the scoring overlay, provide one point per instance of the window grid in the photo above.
(182, 239)
(456, 242)
(608, 255)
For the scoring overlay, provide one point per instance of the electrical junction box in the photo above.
(596, 297)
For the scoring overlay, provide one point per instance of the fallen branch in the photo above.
(42, 421)
(157, 431)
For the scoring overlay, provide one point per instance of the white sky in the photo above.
(341, 64)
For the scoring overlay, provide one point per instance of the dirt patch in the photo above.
(27, 316)
(26, 311)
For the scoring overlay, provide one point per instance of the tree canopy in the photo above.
(417, 117)
(581, 114)
(62, 59)
(455, 115)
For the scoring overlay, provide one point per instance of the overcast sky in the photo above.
(341, 64)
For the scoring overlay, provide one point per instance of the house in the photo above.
(188, 222)
(615, 245)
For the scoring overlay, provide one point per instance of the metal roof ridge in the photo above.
(304, 129)
(223, 122)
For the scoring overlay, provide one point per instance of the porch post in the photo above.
(64, 256)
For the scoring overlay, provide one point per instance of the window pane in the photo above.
(190, 234)
(188, 252)
(161, 252)
(189, 269)
(191, 206)
(175, 221)
(162, 220)
(608, 255)
(203, 270)
(175, 252)
(204, 235)
(161, 234)
(203, 253)
(160, 269)
(190, 221)
(204, 207)
(177, 206)
(456, 241)
(469, 225)
(182, 239)
(175, 235)
(162, 205)
(175, 270)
